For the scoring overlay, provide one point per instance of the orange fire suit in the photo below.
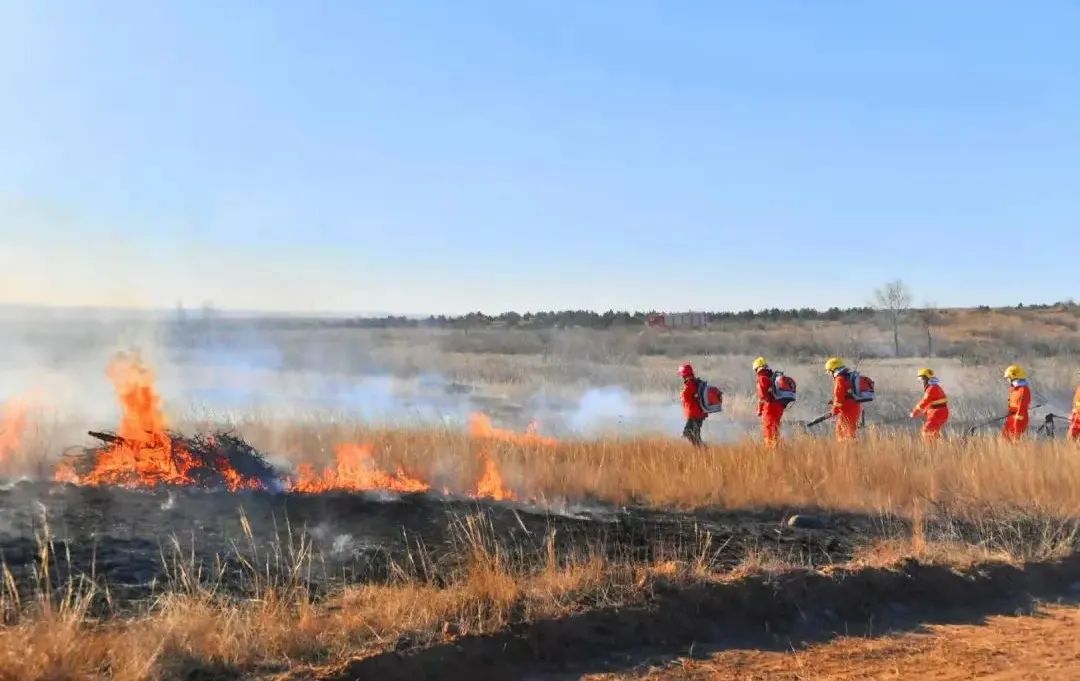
(695, 415)
(769, 408)
(1074, 427)
(844, 407)
(1016, 423)
(935, 405)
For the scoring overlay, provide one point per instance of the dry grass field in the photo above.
(541, 551)
(962, 504)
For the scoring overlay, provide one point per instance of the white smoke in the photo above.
(607, 411)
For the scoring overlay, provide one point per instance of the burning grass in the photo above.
(12, 426)
(354, 470)
(145, 453)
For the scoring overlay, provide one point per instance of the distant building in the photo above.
(677, 320)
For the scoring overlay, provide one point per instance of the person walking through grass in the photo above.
(934, 404)
(845, 408)
(775, 392)
(1074, 426)
(692, 409)
(1016, 423)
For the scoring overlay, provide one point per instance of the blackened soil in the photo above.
(130, 538)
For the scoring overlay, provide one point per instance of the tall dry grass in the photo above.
(882, 472)
(1013, 502)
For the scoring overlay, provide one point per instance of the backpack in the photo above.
(783, 387)
(862, 387)
(710, 398)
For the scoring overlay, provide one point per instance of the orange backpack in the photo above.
(862, 387)
(710, 398)
(783, 387)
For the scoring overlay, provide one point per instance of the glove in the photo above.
(914, 413)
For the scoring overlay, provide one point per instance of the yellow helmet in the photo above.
(833, 364)
(925, 373)
(760, 362)
(1015, 372)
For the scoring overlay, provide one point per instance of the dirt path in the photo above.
(1043, 646)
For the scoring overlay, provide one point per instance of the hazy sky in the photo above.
(445, 156)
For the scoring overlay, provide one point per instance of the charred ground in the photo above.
(130, 539)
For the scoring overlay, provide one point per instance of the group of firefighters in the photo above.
(847, 403)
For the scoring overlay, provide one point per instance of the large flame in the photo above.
(480, 426)
(144, 454)
(141, 416)
(13, 422)
(354, 470)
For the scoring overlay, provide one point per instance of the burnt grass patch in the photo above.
(134, 540)
(127, 539)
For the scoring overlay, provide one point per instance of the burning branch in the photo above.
(145, 454)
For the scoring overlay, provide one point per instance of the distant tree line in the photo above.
(601, 320)
(894, 301)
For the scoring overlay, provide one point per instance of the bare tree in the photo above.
(894, 299)
(930, 318)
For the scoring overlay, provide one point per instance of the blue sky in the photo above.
(443, 157)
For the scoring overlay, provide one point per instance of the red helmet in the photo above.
(686, 371)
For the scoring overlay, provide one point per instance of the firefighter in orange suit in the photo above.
(695, 415)
(770, 409)
(844, 407)
(934, 404)
(1016, 423)
(1074, 427)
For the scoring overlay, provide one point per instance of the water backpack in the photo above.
(862, 387)
(783, 387)
(710, 397)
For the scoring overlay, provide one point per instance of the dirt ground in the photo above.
(1041, 646)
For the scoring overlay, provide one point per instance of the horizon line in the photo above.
(341, 314)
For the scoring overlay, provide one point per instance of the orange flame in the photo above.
(480, 427)
(12, 425)
(146, 455)
(354, 470)
(142, 418)
(490, 485)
